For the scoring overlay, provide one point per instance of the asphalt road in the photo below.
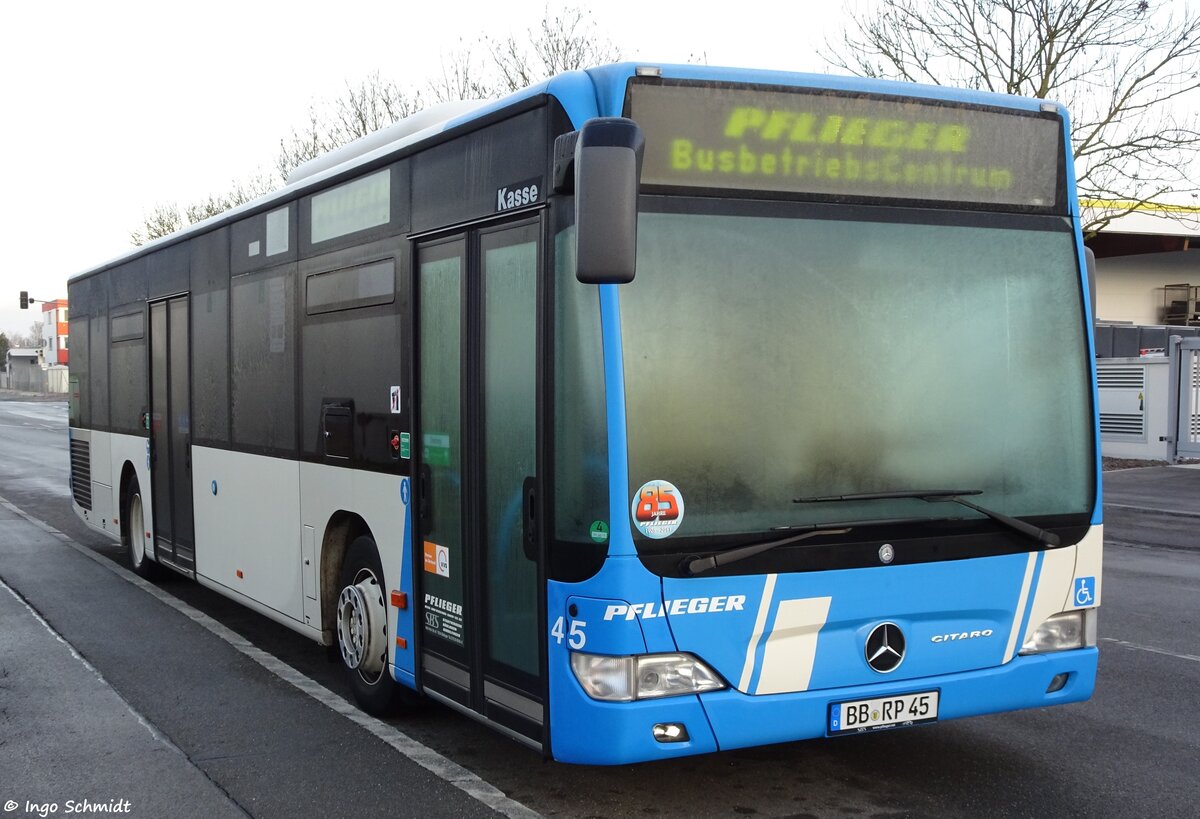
(1130, 751)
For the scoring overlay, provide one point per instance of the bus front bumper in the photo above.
(597, 733)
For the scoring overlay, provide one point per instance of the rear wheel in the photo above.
(363, 636)
(134, 531)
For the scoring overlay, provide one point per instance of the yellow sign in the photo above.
(847, 145)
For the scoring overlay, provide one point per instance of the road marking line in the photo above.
(1175, 513)
(158, 735)
(458, 776)
(1148, 547)
(1151, 649)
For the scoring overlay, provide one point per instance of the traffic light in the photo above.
(24, 299)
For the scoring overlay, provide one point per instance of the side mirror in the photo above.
(608, 167)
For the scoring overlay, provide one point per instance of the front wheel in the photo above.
(134, 533)
(362, 631)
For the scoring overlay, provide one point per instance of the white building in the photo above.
(54, 332)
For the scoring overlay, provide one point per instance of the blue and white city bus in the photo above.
(650, 411)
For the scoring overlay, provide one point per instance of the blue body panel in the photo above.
(404, 659)
(740, 720)
(925, 600)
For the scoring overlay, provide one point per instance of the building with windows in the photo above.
(1143, 259)
(54, 332)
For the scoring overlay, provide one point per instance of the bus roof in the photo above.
(584, 94)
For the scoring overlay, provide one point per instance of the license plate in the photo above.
(883, 712)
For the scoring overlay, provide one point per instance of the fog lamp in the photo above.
(1057, 683)
(671, 732)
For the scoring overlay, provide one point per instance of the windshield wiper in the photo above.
(952, 496)
(694, 564)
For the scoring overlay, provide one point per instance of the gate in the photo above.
(1185, 384)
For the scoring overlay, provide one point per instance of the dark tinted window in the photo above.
(99, 371)
(352, 207)
(128, 326)
(357, 286)
(80, 405)
(129, 388)
(210, 337)
(354, 355)
(263, 361)
(127, 371)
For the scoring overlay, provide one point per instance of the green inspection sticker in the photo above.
(599, 531)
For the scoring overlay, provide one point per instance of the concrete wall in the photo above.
(30, 377)
(1129, 288)
(25, 374)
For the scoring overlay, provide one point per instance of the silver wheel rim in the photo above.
(362, 627)
(137, 531)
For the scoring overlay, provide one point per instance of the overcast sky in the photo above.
(110, 108)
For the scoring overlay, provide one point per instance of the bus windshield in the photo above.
(774, 352)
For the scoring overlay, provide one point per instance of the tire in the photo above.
(133, 532)
(362, 633)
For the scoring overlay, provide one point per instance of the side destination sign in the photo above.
(822, 142)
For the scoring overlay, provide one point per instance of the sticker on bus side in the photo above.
(437, 559)
(657, 509)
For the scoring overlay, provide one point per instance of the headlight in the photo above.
(623, 679)
(1062, 632)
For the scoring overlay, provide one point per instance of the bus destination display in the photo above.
(840, 145)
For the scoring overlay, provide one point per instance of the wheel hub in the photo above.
(362, 630)
(137, 537)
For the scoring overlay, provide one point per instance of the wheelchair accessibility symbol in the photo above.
(1085, 591)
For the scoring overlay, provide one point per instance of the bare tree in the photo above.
(372, 104)
(365, 108)
(166, 219)
(462, 77)
(162, 221)
(1127, 70)
(239, 193)
(36, 334)
(566, 40)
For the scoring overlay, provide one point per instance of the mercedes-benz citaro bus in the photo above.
(650, 411)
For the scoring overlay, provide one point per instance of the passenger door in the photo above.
(477, 398)
(171, 433)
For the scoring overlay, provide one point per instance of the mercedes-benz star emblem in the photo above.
(886, 553)
(885, 647)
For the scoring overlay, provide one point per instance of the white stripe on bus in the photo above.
(791, 648)
(760, 623)
(1019, 611)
